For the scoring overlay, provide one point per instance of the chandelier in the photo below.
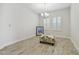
(45, 13)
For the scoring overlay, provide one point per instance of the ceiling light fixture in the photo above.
(45, 13)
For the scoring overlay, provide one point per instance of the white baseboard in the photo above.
(75, 44)
(62, 36)
(7, 44)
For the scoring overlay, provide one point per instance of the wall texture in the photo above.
(75, 24)
(16, 23)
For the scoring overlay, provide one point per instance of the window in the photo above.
(59, 23)
(46, 22)
(54, 23)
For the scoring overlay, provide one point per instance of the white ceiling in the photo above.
(41, 7)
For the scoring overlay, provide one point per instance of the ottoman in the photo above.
(47, 39)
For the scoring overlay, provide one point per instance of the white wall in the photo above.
(17, 23)
(75, 24)
(65, 31)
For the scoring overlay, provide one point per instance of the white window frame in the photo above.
(51, 26)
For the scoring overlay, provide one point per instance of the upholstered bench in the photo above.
(47, 39)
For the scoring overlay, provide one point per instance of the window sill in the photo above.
(53, 30)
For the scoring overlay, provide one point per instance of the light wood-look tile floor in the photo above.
(32, 46)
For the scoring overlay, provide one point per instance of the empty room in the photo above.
(39, 29)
